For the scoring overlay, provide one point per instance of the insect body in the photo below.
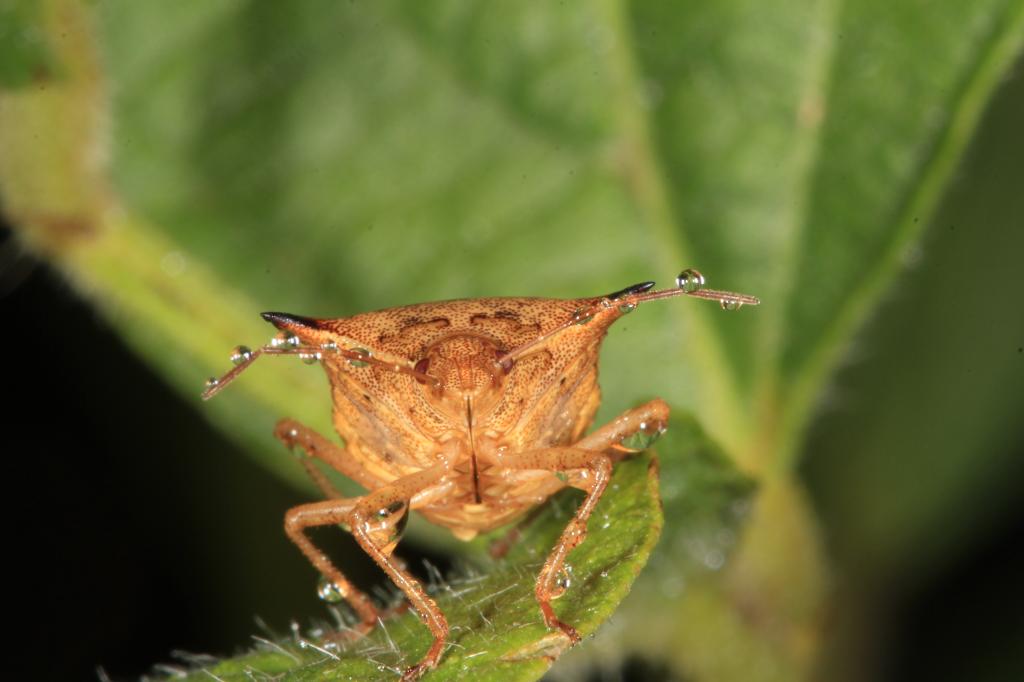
(470, 412)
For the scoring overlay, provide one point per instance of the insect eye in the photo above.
(422, 366)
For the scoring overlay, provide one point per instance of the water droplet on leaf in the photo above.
(728, 304)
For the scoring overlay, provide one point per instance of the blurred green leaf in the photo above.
(939, 379)
(24, 56)
(497, 632)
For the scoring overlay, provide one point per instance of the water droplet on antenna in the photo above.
(582, 315)
(240, 354)
(284, 340)
(360, 363)
(690, 280)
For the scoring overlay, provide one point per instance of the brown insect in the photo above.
(470, 412)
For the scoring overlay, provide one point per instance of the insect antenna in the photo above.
(243, 357)
(288, 345)
(689, 282)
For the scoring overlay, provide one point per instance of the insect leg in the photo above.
(293, 434)
(374, 528)
(589, 471)
(650, 417)
(326, 513)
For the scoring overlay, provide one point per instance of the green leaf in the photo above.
(801, 152)
(497, 632)
(25, 56)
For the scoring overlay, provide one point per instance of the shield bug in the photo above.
(470, 412)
